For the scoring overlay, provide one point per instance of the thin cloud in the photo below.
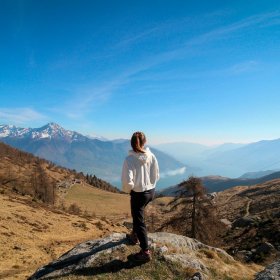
(142, 36)
(89, 97)
(226, 30)
(20, 115)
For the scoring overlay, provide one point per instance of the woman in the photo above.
(139, 176)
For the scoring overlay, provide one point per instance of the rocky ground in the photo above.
(174, 257)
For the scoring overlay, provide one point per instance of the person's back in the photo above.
(145, 172)
(139, 176)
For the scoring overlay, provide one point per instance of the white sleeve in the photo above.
(127, 176)
(154, 171)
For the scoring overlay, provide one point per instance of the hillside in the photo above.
(242, 201)
(261, 202)
(33, 234)
(238, 205)
(27, 174)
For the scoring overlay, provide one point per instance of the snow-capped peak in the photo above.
(50, 130)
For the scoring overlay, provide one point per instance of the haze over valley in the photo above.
(98, 156)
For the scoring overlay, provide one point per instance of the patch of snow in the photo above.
(45, 135)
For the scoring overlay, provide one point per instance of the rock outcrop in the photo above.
(245, 221)
(85, 254)
(271, 272)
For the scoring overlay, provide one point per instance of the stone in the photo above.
(127, 224)
(82, 256)
(163, 249)
(245, 221)
(199, 276)
(226, 222)
(271, 272)
(152, 246)
(20, 248)
(265, 248)
(276, 215)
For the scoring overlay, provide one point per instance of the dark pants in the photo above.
(138, 202)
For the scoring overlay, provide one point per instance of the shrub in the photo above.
(74, 209)
(99, 225)
(93, 214)
(256, 224)
(103, 218)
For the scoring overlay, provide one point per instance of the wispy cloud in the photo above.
(20, 115)
(173, 172)
(141, 36)
(219, 33)
(97, 93)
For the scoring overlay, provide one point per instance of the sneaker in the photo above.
(132, 236)
(142, 256)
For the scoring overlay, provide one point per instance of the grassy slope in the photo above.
(42, 232)
(103, 203)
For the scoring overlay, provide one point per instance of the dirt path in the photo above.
(247, 208)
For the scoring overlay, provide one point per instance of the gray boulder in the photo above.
(163, 249)
(245, 221)
(265, 248)
(199, 276)
(271, 272)
(276, 215)
(83, 255)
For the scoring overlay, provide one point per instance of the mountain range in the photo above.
(75, 151)
(218, 183)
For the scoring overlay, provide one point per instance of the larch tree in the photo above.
(195, 214)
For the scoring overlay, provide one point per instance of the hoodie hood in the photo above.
(144, 158)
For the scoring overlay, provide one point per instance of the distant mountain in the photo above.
(121, 140)
(179, 148)
(255, 156)
(49, 131)
(252, 175)
(98, 137)
(218, 183)
(75, 151)
(222, 148)
(193, 152)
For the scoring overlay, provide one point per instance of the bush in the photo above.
(103, 218)
(256, 224)
(99, 225)
(74, 209)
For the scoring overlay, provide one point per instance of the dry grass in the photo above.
(103, 203)
(33, 234)
(223, 268)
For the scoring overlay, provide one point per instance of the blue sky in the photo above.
(195, 71)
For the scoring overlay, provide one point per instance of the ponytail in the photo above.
(138, 140)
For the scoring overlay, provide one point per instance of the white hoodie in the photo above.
(140, 171)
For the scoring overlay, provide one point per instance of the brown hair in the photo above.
(138, 139)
